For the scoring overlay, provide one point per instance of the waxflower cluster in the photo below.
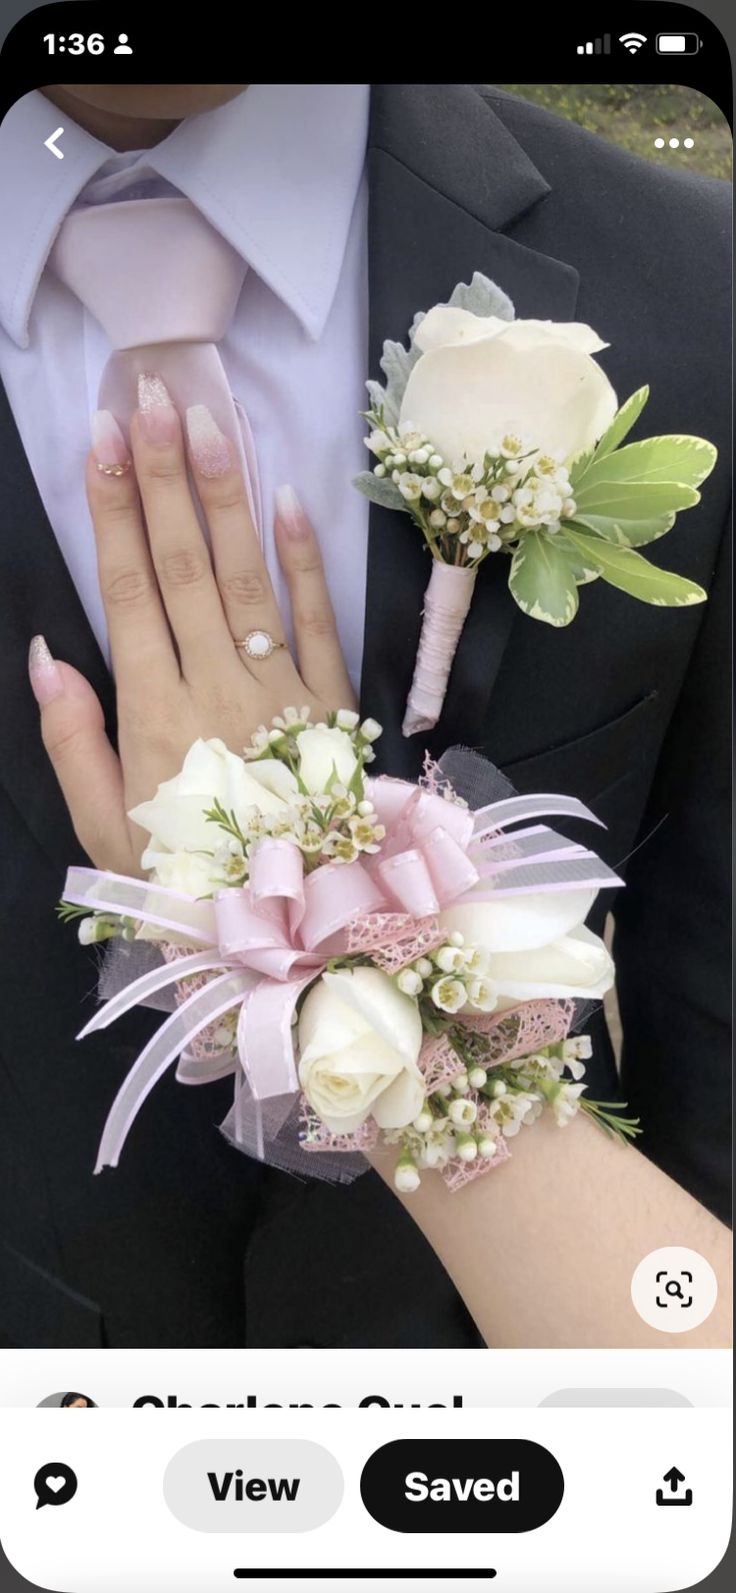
(451, 979)
(485, 1103)
(467, 510)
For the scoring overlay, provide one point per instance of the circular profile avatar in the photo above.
(67, 1401)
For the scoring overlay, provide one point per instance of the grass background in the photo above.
(634, 114)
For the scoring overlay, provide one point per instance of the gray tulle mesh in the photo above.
(473, 778)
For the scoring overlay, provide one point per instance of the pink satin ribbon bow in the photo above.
(269, 940)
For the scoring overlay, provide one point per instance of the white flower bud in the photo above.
(460, 1083)
(409, 982)
(507, 515)
(463, 1112)
(435, 463)
(424, 967)
(486, 1147)
(424, 1121)
(498, 1088)
(467, 1148)
(347, 719)
(380, 471)
(431, 488)
(449, 958)
(370, 730)
(406, 1177)
(477, 1077)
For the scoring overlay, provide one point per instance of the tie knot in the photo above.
(150, 271)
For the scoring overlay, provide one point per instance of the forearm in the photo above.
(543, 1250)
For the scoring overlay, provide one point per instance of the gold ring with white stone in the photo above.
(259, 645)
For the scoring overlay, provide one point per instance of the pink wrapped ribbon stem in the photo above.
(446, 605)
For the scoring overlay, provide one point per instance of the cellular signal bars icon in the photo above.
(596, 46)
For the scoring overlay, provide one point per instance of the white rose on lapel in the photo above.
(359, 1041)
(480, 378)
(501, 438)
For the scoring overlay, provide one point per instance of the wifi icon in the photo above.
(632, 41)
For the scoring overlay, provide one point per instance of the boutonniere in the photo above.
(504, 437)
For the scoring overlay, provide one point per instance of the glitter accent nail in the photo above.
(208, 445)
(152, 392)
(109, 445)
(45, 675)
(157, 416)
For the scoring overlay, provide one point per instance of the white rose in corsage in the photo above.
(176, 818)
(373, 963)
(359, 1041)
(503, 436)
(538, 946)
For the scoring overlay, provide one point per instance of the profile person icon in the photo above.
(122, 47)
(77, 1402)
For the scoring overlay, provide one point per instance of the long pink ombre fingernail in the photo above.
(159, 421)
(44, 673)
(112, 455)
(291, 514)
(209, 446)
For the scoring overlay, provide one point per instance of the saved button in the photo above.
(462, 1485)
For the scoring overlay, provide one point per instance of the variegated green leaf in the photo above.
(628, 533)
(379, 489)
(687, 460)
(542, 580)
(619, 428)
(629, 500)
(582, 569)
(627, 570)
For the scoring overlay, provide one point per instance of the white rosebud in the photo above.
(409, 982)
(478, 1078)
(370, 730)
(406, 1177)
(462, 1112)
(347, 719)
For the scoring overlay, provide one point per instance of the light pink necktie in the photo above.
(163, 284)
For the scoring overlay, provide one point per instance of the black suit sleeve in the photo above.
(672, 942)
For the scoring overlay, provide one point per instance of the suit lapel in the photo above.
(37, 595)
(445, 176)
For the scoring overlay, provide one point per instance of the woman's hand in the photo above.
(174, 613)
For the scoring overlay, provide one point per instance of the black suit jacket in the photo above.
(626, 709)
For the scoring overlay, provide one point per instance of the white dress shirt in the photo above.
(279, 172)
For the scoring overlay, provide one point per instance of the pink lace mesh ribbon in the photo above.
(446, 604)
(208, 975)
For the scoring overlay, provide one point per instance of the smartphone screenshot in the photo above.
(365, 638)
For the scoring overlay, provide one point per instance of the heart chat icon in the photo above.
(54, 1484)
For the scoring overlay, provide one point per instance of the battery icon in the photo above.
(678, 43)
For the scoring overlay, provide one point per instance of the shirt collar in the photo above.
(277, 172)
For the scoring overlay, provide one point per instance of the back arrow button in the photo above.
(50, 143)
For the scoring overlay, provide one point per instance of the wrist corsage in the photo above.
(375, 962)
(504, 437)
